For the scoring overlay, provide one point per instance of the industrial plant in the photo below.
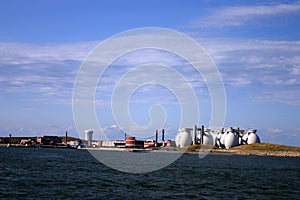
(129, 142)
(218, 138)
(222, 138)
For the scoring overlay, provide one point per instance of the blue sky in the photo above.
(255, 45)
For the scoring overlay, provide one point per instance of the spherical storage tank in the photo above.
(183, 138)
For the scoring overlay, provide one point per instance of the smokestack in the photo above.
(194, 134)
(125, 135)
(66, 137)
(9, 138)
(156, 135)
(202, 133)
(163, 135)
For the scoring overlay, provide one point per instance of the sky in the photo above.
(254, 44)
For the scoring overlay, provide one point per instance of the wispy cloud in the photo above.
(49, 71)
(42, 70)
(268, 68)
(22, 53)
(25, 130)
(241, 15)
(280, 136)
(289, 96)
(274, 130)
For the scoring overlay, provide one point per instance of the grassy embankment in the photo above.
(267, 147)
(256, 146)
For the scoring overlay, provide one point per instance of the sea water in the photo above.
(32, 173)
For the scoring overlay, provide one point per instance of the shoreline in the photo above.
(259, 152)
(243, 152)
(278, 153)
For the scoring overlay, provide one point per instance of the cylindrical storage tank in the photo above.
(253, 137)
(88, 135)
(183, 138)
(130, 142)
(230, 140)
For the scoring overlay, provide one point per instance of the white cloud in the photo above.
(280, 136)
(28, 130)
(269, 69)
(274, 130)
(259, 62)
(296, 68)
(47, 71)
(243, 63)
(111, 127)
(240, 15)
(288, 96)
(22, 53)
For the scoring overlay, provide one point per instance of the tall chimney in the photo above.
(9, 138)
(66, 137)
(163, 135)
(156, 135)
(202, 133)
(194, 134)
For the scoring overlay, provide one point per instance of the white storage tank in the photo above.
(218, 139)
(208, 138)
(183, 138)
(222, 140)
(231, 139)
(245, 138)
(88, 135)
(240, 137)
(252, 137)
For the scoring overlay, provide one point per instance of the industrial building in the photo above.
(223, 138)
(130, 142)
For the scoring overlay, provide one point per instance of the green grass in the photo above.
(256, 146)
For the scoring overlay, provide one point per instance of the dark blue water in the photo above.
(75, 174)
